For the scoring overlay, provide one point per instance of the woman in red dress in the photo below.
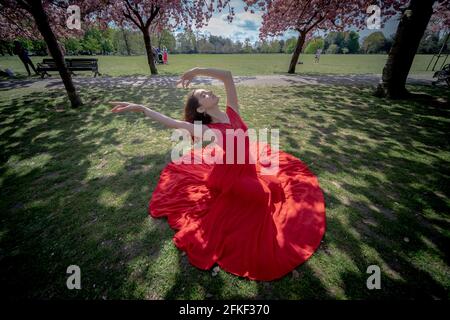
(254, 225)
(165, 55)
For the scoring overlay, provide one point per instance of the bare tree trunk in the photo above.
(159, 39)
(410, 31)
(127, 45)
(149, 50)
(297, 51)
(42, 22)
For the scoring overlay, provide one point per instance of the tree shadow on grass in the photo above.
(14, 83)
(73, 215)
(59, 192)
(389, 216)
(67, 198)
(357, 135)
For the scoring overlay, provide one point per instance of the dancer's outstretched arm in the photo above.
(120, 106)
(223, 75)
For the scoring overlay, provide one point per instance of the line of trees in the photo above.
(334, 43)
(374, 43)
(119, 41)
(25, 17)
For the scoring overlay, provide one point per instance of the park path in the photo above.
(170, 81)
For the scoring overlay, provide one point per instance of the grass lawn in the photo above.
(75, 186)
(239, 64)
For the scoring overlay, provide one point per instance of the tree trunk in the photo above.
(148, 49)
(159, 40)
(127, 45)
(41, 19)
(410, 31)
(297, 51)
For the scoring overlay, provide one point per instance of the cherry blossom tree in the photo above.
(23, 17)
(155, 15)
(306, 17)
(309, 16)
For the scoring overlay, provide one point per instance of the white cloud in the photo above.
(239, 29)
(245, 24)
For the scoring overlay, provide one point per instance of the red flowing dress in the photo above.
(252, 225)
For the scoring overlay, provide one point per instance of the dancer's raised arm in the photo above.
(223, 75)
(120, 106)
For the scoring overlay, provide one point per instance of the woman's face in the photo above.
(207, 99)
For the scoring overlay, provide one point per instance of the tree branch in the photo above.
(128, 16)
(24, 5)
(311, 19)
(135, 12)
(315, 24)
(59, 4)
(13, 21)
(152, 16)
(303, 10)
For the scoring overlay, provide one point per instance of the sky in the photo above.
(246, 25)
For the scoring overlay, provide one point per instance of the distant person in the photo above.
(23, 56)
(165, 55)
(317, 56)
(155, 54)
(160, 55)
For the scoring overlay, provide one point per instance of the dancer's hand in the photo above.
(187, 77)
(120, 106)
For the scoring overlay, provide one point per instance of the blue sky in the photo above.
(246, 25)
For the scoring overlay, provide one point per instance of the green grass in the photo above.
(75, 186)
(240, 64)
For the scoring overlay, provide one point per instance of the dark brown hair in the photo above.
(190, 110)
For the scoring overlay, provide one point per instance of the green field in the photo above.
(75, 186)
(240, 64)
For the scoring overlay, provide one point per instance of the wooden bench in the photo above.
(73, 64)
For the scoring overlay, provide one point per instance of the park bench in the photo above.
(442, 75)
(73, 64)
